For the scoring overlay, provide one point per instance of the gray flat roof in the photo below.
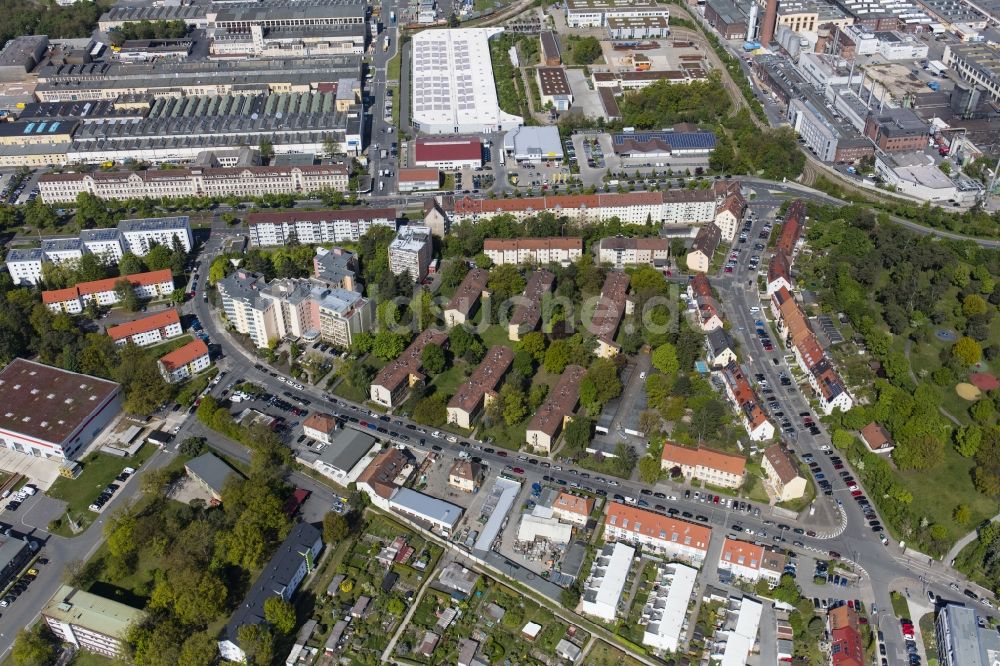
(347, 448)
(211, 470)
(425, 505)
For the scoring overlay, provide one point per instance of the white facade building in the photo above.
(667, 607)
(148, 330)
(410, 252)
(317, 226)
(155, 284)
(185, 362)
(604, 586)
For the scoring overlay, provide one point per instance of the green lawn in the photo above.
(899, 606)
(927, 632)
(496, 335)
(99, 469)
(392, 68)
(603, 654)
(348, 392)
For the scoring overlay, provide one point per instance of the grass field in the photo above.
(99, 469)
(603, 654)
(899, 606)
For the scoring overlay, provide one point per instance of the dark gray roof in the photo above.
(275, 577)
(347, 448)
(719, 340)
(212, 471)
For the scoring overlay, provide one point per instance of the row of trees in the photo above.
(94, 267)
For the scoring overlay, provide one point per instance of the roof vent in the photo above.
(50, 396)
(68, 401)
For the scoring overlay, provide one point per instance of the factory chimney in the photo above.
(770, 19)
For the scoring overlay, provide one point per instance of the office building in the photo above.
(637, 27)
(148, 330)
(453, 90)
(294, 559)
(156, 284)
(536, 251)
(544, 428)
(656, 147)
(554, 90)
(90, 622)
(480, 389)
(410, 252)
(897, 130)
(596, 13)
(53, 413)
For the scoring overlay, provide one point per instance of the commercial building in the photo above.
(670, 207)
(465, 301)
(383, 481)
(295, 557)
(480, 389)
(453, 90)
(346, 456)
(137, 236)
(415, 179)
(554, 90)
(782, 474)
(668, 536)
(918, 176)
(656, 147)
(211, 473)
(897, 130)
(638, 27)
(707, 312)
(726, 18)
(533, 144)
(320, 427)
(548, 421)
(156, 284)
(706, 242)
(538, 527)
(410, 252)
(313, 227)
(536, 251)
(148, 330)
(609, 312)
(193, 182)
(603, 588)
(20, 55)
(527, 314)
(53, 413)
(620, 252)
(960, 639)
(667, 606)
(747, 403)
(707, 465)
(185, 362)
(595, 13)
(90, 622)
(551, 52)
(392, 381)
(448, 153)
(293, 308)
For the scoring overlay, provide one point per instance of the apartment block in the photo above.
(707, 312)
(750, 561)
(611, 308)
(90, 622)
(465, 301)
(527, 314)
(185, 362)
(667, 536)
(393, 380)
(315, 227)
(548, 421)
(699, 258)
(410, 252)
(148, 330)
(706, 465)
(480, 389)
(747, 403)
(155, 284)
(782, 474)
(537, 251)
(620, 252)
(336, 268)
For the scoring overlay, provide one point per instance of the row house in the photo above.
(667, 536)
(707, 312)
(155, 284)
(747, 403)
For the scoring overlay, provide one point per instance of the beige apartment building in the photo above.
(537, 251)
(706, 465)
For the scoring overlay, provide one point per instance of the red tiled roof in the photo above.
(418, 174)
(178, 358)
(448, 149)
(144, 325)
(704, 457)
(573, 504)
(560, 403)
(108, 284)
(792, 228)
(657, 526)
(324, 423)
(484, 380)
(742, 553)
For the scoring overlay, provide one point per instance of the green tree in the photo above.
(577, 434)
(586, 50)
(35, 646)
(967, 440)
(144, 387)
(335, 528)
(433, 359)
(649, 469)
(266, 149)
(257, 643)
(962, 514)
(557, 357)
(600, 384)
(396, 606)
(280, 615)
(974, 305)
(158, 257)
(982, 411)
(200, 649)
(515, 407)
(533, 343)
(387, 346)
(665, 359)
(199, 596)
(537, 395)
(432, 411)
(126, 295)
(967, 351)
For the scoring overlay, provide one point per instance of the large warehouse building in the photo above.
(53, 413)
(453, 87)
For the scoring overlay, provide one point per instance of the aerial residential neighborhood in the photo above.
(490, 333)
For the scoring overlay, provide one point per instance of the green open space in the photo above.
(99, 469)
(899, 606)
(603, 654)
(929, 636)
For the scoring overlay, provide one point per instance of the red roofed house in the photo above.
(707, 311)
(877, 438)
(730, 214)
(751, 562)
(845, 637)
(416, 178)
(185, 362)
(572, 508)
(320, 427)
(708, 466)
(148, 330)
(669, 536)
(74, 299)
(448, 153)
(747, 403)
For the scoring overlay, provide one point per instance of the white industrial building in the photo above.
(666, 607)
(533, 144)
(604, 586)
(453, 87)
(533, 527)
(596, 13)
(439, 513)
(917, 175)
(53, 413)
